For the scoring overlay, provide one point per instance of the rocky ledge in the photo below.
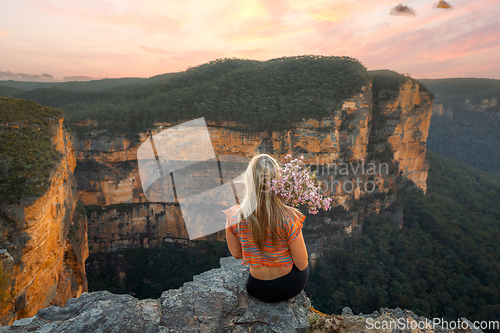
(215, 301)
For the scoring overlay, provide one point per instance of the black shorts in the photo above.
(280, 289)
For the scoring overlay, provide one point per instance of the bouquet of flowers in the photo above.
(298, 186)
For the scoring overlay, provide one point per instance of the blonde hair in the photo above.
(260, 207)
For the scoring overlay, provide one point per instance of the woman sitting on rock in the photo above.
(266, 234)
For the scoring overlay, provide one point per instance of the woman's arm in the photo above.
(299, 252)
(233, 244)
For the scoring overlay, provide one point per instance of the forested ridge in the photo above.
(469, 136)
(27, 154)
(256, 95)
(263, 95)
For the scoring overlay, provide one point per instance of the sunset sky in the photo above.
(65, 39)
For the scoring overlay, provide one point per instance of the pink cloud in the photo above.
(426, 48)
(402, 10)
(481, 40)
(383, 34)
(443, 4)
(432, 37)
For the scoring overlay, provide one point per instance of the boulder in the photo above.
(215, 301)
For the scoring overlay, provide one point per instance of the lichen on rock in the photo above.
(387, 321)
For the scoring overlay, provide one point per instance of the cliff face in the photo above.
(344, 146)
(407, 117)
(43, 244)
(142, 225)
(216, 301)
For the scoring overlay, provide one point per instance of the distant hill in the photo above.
(9, 91)
(450, 90)
(6, 86)
(470, 130)
(96, 85)
(261, 94)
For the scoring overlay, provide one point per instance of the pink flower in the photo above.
(297, 186)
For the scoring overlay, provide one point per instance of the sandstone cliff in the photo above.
(117, 227)
(353, 157)
(215, 301)
(43, 242)
(407, 117)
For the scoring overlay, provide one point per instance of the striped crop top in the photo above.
(277, 256)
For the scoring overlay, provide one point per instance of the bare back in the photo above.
(269, 273)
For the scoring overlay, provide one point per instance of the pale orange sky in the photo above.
(124, 38)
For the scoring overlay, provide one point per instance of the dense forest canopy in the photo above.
(27, 154)
(444, 261)
(272, 94)
(149, 272)
(385, 79)
(263, 95)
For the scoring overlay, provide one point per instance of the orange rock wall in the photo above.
(407, 127)
(139, 225)
(45, 266)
